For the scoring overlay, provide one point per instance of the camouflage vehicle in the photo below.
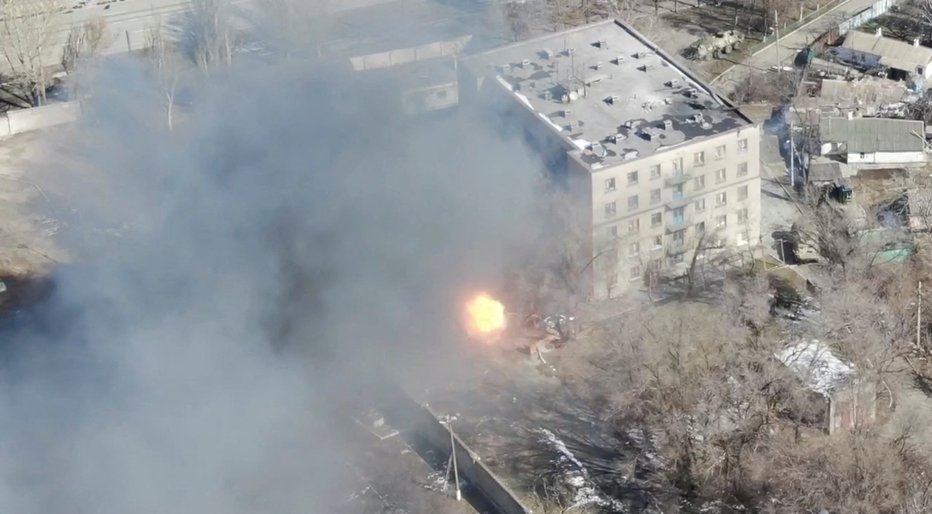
(717, 44)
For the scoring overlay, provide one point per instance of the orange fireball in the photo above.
(485, 316)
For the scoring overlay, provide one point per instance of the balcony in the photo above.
(679, 200)
(675, 224)
(677, 179)
(676, 248)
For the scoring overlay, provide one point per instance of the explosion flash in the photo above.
(485, 316)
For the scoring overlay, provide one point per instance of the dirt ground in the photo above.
(28, 220)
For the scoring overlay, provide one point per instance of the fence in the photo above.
(35, 118)
(403, 411)
(878, 8)
(792, 27)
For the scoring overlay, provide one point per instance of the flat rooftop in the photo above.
(608, 92)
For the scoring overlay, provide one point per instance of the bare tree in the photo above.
(26, 31)
(81, 47)
(212, 35)
(165, 68)
(293, 24)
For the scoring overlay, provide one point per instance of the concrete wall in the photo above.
(403, 410)
(26, 120)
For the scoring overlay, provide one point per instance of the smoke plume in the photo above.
(231, 280)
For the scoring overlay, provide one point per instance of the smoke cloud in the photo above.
(231, 280)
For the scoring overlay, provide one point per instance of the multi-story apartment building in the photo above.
(656, 162)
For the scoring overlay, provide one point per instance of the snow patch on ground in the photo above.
(577, 476)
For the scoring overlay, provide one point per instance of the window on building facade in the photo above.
(658, 242)
(699, 158)
(699, 205)
(743, 216)
(656, 219)
(742, 145)
(655, 172)
(721, 221)
(677, 216)
(678, 193)
(632, 202)
(720, 152)
(655, 196)
(634, 226)
(613, 231)
(679, 237)
(742, 169)
(699, 182)
(634, 249)
(720, 176)
(700, 227)
(634, 273)
(610, 209)
(609, 185)
(721, 199)
(678, 165)
(742, 193)
(632, 178)
(675, 259)
(742, 238)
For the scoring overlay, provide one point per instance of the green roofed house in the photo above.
(873, 140)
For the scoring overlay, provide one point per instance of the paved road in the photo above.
(792, 43)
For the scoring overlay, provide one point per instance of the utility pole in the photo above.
(792, 155)
(456, 472)
(776, 43)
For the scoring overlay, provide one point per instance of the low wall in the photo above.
(403, 410)
(35, 118)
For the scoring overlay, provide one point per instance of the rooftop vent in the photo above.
(525, 63)
(673, 83)
(618, 60)
(506, 68)
(598, 150)
(640, 55)
(595, 79)
(603, 44)
(630, 124)
(630, 155)
(612, 99)
(597, 66)
(668, 100)
(643, 67)
(617, 138)
(692, 92)
(546, 53)
(665, 125)
(547, 95)
(569, 51)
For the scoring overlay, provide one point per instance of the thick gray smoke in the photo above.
(294, 232)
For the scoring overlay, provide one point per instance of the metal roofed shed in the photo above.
(848, 401)
(589, 92)
(873, 140)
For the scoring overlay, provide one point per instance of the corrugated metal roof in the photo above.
(873, 134)
(893, 52)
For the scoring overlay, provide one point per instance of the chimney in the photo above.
(916, 42)
(879, 32)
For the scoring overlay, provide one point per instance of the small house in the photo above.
(846, 401)
(873, 140)
(902, 60)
